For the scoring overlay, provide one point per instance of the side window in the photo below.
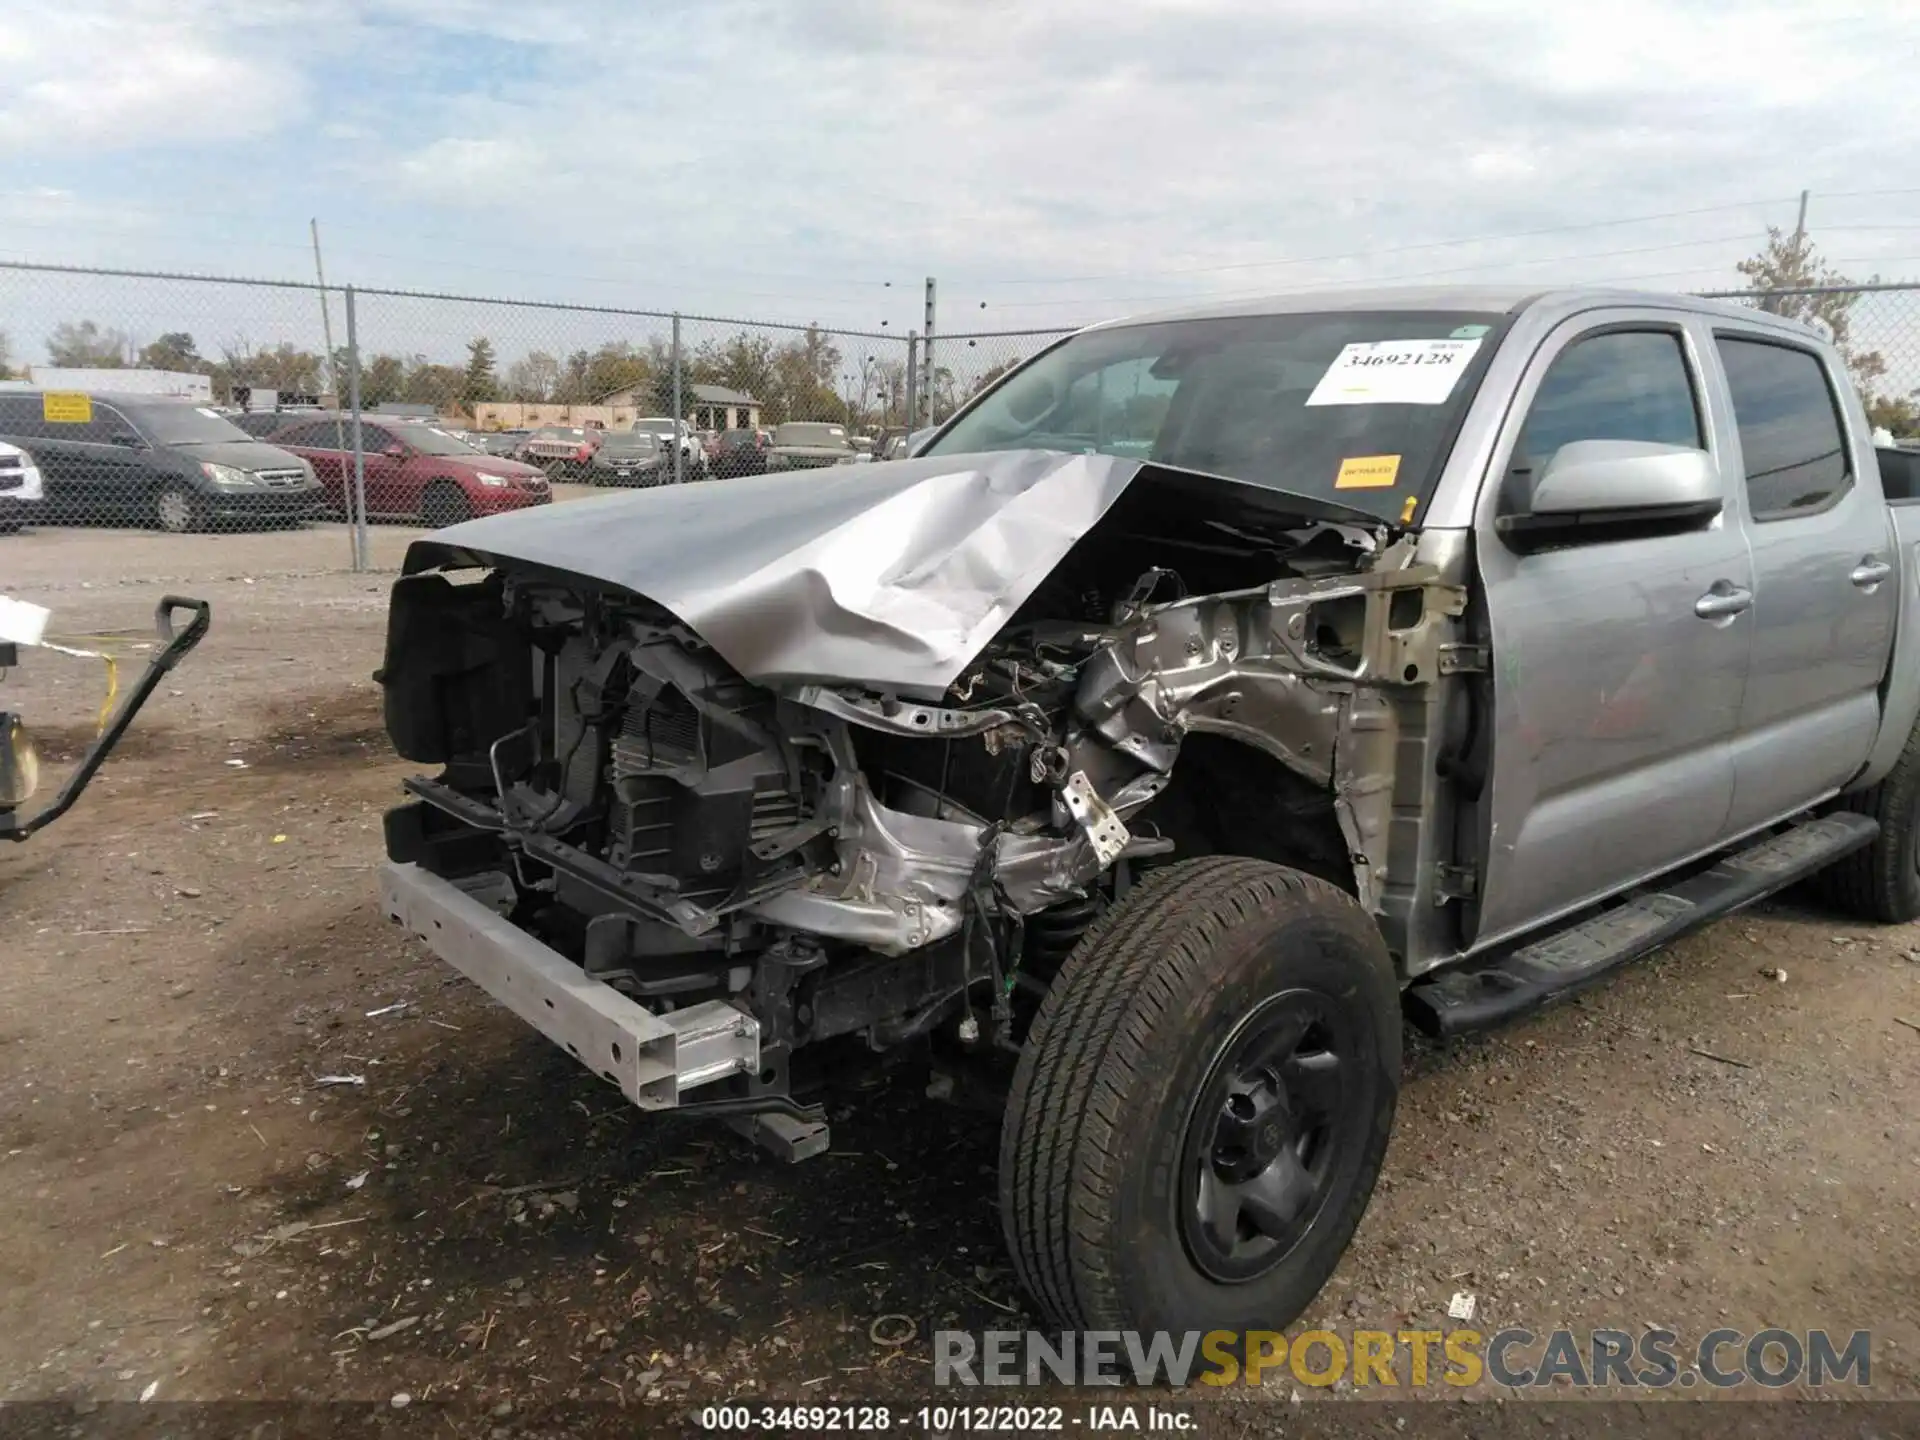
(1621, 385)
(1791, 440)
(107, 423)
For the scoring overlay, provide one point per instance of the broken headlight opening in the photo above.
(812, 861)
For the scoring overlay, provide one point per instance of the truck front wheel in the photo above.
(1203, 1103)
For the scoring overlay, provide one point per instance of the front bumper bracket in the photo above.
(654, 1059)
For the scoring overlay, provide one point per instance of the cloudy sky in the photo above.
(1050, 161)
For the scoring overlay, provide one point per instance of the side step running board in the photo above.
(1454, 1002)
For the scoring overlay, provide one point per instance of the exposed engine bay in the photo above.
(836, 859)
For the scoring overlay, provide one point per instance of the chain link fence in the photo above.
(345, 419)
(191, 405)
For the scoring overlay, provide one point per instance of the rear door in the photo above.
(1615, 698)
(1825, 584)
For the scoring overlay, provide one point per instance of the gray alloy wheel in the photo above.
(175, 510)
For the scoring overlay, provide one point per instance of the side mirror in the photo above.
(395, 451)
(128, 440)
(1609, 488)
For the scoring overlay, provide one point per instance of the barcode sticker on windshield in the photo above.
(1394, 372)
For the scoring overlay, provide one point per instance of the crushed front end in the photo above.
(711, 887)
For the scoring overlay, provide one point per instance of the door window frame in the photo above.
(1564, 337)
(1753, 516)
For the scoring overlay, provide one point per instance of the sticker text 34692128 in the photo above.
(1394, 372)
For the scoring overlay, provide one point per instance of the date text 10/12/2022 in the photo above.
(1105, 1419)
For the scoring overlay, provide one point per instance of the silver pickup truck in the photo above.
(1210, 693)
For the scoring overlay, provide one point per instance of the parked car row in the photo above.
(128, 458)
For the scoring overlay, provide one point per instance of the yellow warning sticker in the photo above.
(1367, 472)
(66, 407)
(1406, 511)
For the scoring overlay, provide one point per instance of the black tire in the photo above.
(1112, 1128)
(177, 510)
(444, 505)
(1882, 882)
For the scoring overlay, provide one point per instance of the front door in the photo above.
(1615, 699)
(1826, 590)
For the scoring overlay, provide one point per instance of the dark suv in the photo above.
(153, 461)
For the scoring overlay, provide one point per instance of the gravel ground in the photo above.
(188, 1202)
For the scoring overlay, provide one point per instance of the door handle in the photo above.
(1870, 572)
(1723, 602)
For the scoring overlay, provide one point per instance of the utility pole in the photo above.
(326, 317)
(1800, 225)
(913, 381)
(927, 372)
(679, 440)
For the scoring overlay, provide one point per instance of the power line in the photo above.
(1403, 249)
(1381, 280)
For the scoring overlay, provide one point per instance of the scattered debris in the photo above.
(1723, 1059)
(358, 1180)
(1461, 1306)
(404, 1323)
(237, 764)
(1910, 1024)
(339, 1079)
(401, 1400)
(1775, 972)
(893, 1331)
(187, 892)
(153, 1389)
(536, 1189)
(393, 1009)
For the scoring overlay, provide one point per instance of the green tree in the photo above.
(87, 346)
(172, 351)
(382, 379)
(284, 367)
(479, 384)
(440, 386)
(6, 356)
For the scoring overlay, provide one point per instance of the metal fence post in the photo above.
(913, 381)
(679, 445)
(932, 377)
(357, 496)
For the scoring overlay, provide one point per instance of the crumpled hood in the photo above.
(890, 575)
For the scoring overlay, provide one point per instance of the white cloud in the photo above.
(85, 75)
(756, 154)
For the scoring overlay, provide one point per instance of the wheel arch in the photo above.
(1229, 796)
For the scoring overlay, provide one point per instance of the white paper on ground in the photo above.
(1394, 372)
(22, 623)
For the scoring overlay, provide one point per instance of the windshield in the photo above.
(429, 441)
(1352, 407)
(184, 425)
(631, 443)
(802, 433)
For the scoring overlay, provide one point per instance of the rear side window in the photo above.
(1791, 440)
(1620, 385)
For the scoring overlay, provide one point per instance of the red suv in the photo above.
(414, 472)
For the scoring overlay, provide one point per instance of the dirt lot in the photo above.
(189, 1201)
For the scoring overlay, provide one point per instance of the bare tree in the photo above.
(1791, 279)
(86, 346)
